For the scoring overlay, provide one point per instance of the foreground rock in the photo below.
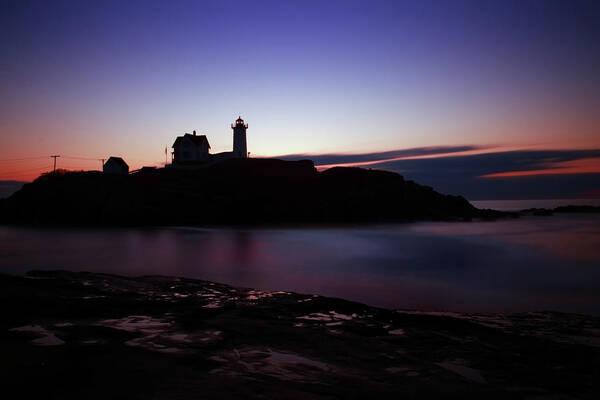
(246, 191)
(81, 335)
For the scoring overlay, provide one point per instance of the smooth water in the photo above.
(525, 264)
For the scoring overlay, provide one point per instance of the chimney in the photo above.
(194, 133)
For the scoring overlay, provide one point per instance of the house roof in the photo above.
(119, 161)
(196, 139)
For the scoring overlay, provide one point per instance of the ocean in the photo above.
(513, 265)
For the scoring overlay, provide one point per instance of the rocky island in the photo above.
(233, 192)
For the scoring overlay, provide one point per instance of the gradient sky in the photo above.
(94, 79)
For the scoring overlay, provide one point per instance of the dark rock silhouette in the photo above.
(237, 191)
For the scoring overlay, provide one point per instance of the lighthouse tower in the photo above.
(240, 149)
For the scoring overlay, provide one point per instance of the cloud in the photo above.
(464, 174)
(373, 158)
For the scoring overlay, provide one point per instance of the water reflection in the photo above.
(531, 263)
(575, 236)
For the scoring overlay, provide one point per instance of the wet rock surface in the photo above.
(81, 335)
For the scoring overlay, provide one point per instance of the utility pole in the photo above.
(55, 157)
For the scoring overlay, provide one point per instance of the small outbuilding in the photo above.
(115, 165)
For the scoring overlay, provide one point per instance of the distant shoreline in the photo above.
(516, 205)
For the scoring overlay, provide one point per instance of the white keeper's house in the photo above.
(191, 148)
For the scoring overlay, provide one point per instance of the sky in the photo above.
(445, 79)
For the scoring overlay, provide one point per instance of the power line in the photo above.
(12, 175)
(18, 171)
(41, 157)
(40, 167)
(23, 159)
(54, 157)
(82, 158)
(45, 168)
(17, 168)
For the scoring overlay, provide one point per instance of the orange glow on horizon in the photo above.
(33, 167)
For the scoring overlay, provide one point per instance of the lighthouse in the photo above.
(240, 149)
